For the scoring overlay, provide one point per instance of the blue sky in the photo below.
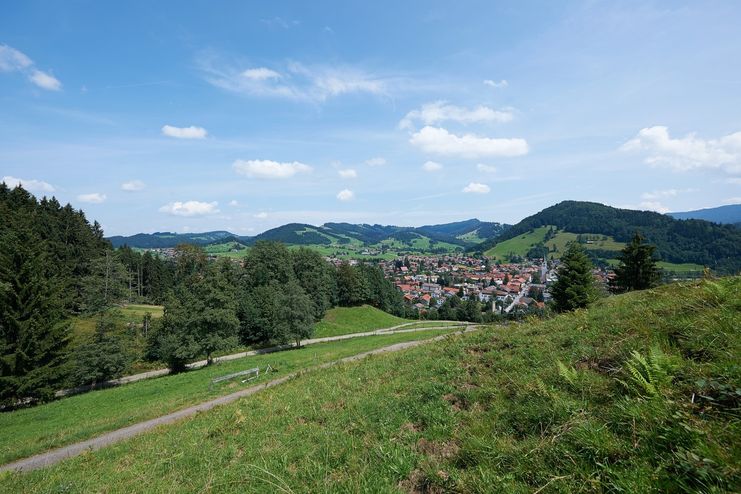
(194, 116)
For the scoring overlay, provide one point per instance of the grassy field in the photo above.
(346, 320)
(683, 268)
(518, 245)
(539, 407)
(522, 244)
(83, 416)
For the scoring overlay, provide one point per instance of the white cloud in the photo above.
(45, 81)
(30, 185)
(190, 208)
(476, 188)
(486, 168)
(191, 132)
(260, 74)
(734, 180)
(261, 215)
(234, 203)
(345, 195)
(437, 140)
(348, 173)
(269, 169)
(496, 85)
(688, 152)
(295, 81)
(376, 161)
(733, 200)
(133, 186)
(12, 60)
(662, 194)
(441, 111)
(653, 206)
(92, 198)
(432, 166)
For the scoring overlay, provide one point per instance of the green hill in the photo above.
(677, 241)
(637, 394)
(345, 320)
(556, 243)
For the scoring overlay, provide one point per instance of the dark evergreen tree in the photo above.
(637, 269)
(575, 286)
(33, 330)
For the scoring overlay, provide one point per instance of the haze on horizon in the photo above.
(193, 117)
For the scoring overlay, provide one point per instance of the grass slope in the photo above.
(346, 320)
(83, 416)
(542, 406)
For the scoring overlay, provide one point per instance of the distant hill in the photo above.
(447, 236)
(677, 241)
(169, 239)
(730, 214)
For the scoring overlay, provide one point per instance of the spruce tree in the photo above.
(33, 331)
(575, 286)
(637, 269)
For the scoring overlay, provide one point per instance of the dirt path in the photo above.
(56, 455)
(201, 363)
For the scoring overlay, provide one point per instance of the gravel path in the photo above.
(202, 363)
(57, 455)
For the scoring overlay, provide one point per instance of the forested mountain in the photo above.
(677, 241)
(730, 214)
(463, 233)
(169, 239)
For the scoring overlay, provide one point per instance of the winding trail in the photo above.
(56, 455)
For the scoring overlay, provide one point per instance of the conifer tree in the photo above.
(637, 269)
(575, 286)
(33, 332)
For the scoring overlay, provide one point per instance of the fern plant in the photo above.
(569, 374)
(649, 375)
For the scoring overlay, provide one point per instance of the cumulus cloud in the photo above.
(348, 173)
(441, 111)
(294, 81)
(432, 166)
(92, 198)
(30, 185)
(653, 206)
(345, 195)
(133, 186)
(191, 132)
(269, 169)
(378, 161)
(12, 60)
(687, 153)
(438, 140)
(486, 168)
(496, 84)
(476, 188)
(190, 208)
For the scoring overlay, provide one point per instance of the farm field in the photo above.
(543, 406)
(83, 416)
(557, 245)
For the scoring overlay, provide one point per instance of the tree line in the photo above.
(55, 264)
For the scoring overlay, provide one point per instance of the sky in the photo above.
(242, 116)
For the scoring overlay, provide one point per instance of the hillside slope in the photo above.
(677, 241)
(637, 394)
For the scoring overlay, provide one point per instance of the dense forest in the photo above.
(55, 264)
(678, 241)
